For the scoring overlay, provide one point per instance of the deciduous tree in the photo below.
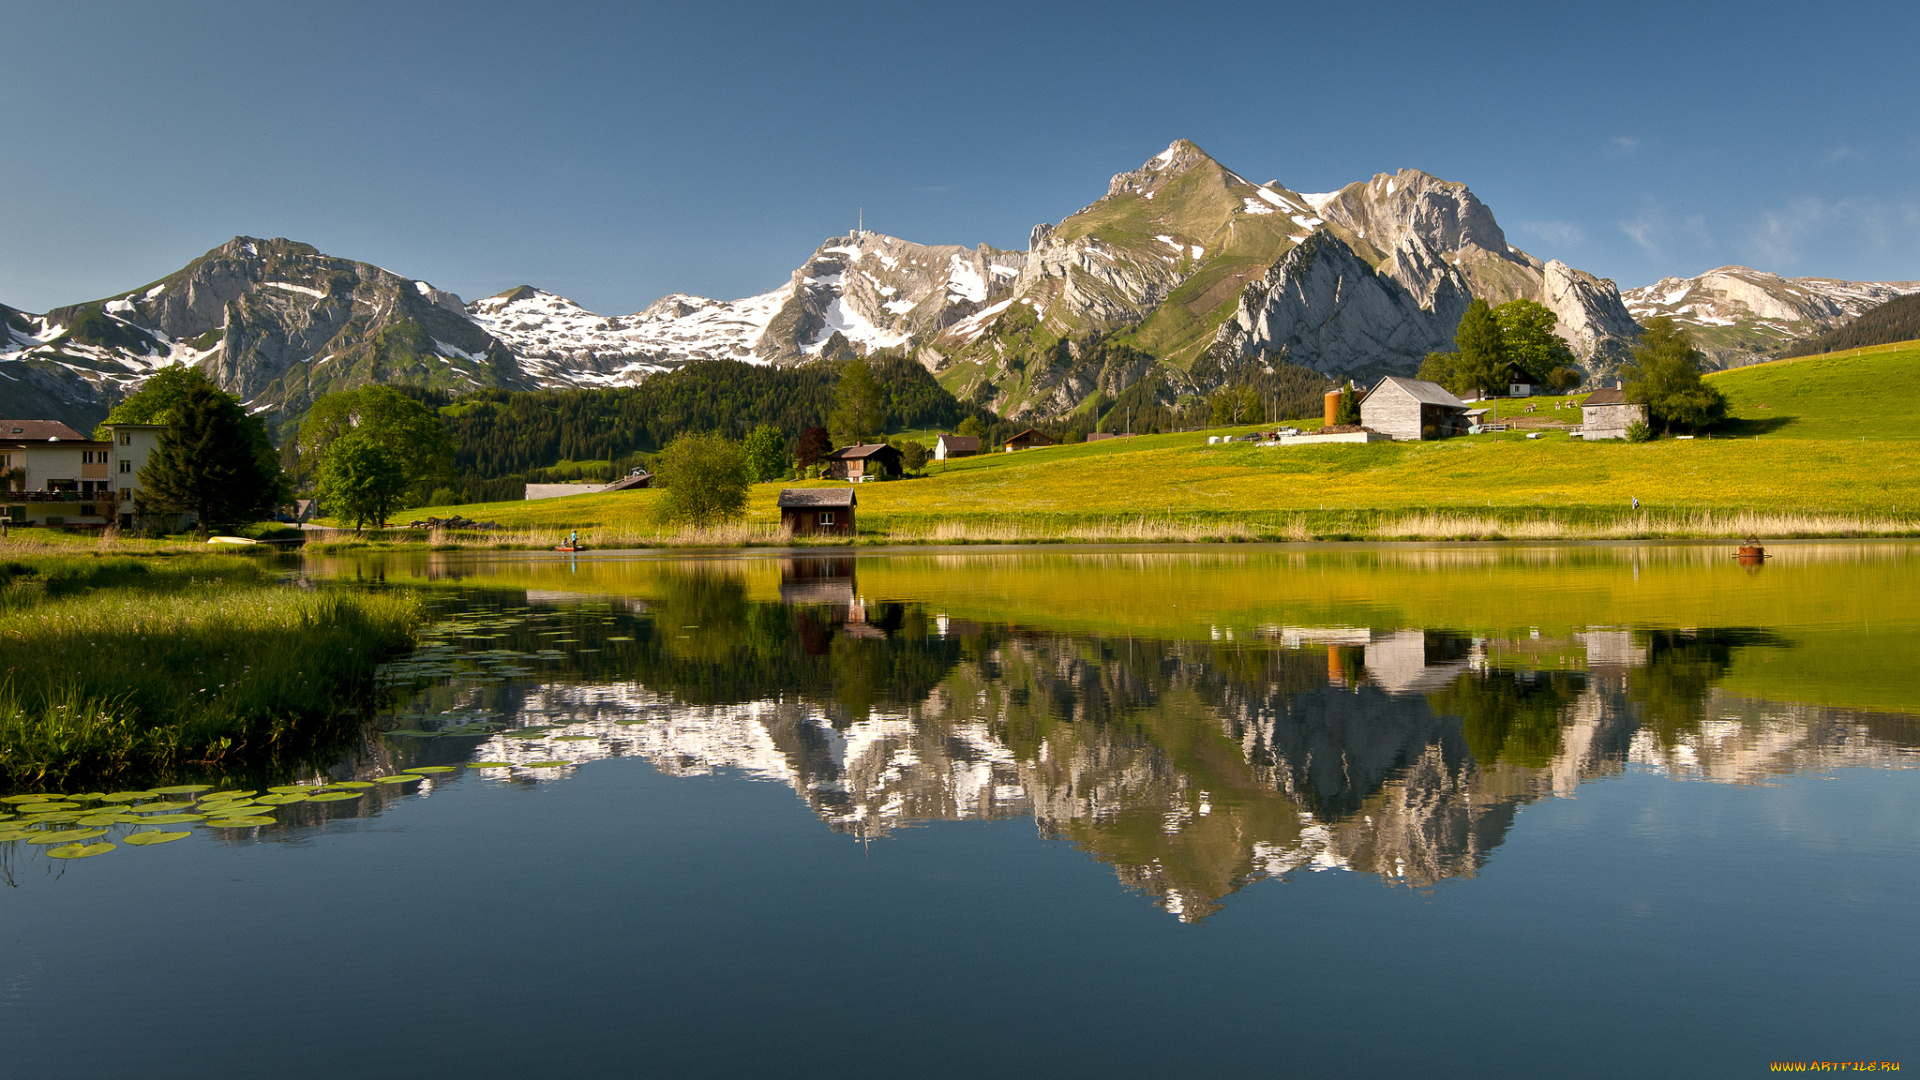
(1527, 334)
(409, 430)
(362, 478)
(1665, 374)
(705, 477)
(766, 451)
(814, 445)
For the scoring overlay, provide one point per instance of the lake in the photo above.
(1480, 810)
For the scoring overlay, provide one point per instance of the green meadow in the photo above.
(1815, 447)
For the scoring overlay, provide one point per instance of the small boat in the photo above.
(569, 547)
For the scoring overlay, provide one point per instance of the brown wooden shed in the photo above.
(809, 511)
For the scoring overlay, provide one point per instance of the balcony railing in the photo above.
(107, 497)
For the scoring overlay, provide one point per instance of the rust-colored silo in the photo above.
(1333, 407)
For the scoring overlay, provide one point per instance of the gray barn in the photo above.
(1606, 414)
(1413, 409)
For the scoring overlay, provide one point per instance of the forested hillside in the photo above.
(1896, 320)
(502, 438)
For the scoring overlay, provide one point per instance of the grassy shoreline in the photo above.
(1438, 524)
(118, 670)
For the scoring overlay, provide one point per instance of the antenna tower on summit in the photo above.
(862, 227)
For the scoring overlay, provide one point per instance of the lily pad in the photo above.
(399, 778)
(231, 795)
(351, 784)
(172, 819)
(47, 807)
(166, 806)
(281, 800)
(240, 822)
(79, 851)
(146, 837)
(489, 764)
(183, 789)
(431, 769)
(292, 789)
(65, 836)
(338, 796)
(126, 796)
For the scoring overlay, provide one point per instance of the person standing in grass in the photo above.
(1636, 502)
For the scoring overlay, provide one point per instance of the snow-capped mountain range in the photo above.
(1183, 260)
(1740, 316)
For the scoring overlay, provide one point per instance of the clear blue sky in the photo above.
(618, 152)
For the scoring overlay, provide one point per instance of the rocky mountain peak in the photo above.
(1178, 158)
(1392, 207)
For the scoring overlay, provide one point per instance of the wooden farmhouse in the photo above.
(1413, 409)
(1027, 440)
(1606, 414)
(1519, 383)
(868, 461)
(810, 511)
(955, 446)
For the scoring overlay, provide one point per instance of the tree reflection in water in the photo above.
(1191, 767)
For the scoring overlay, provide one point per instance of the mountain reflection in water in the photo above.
(1190, 766)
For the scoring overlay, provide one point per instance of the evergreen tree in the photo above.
(705, 477)
(1348, 411)
(766, 451)
(860, 406)
(1665, 375)
(362, 478)
(209, 463)
(1482, 363)
(161, 395)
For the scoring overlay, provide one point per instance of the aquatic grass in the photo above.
(111, 669)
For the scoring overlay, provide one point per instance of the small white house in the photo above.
(955, 446)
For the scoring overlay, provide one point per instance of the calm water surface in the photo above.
(1495, 811)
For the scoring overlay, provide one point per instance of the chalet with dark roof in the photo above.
(1028, 440)
(812, 511)
(867, 461)
(955, 446)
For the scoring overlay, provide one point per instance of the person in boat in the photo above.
(573, 541)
